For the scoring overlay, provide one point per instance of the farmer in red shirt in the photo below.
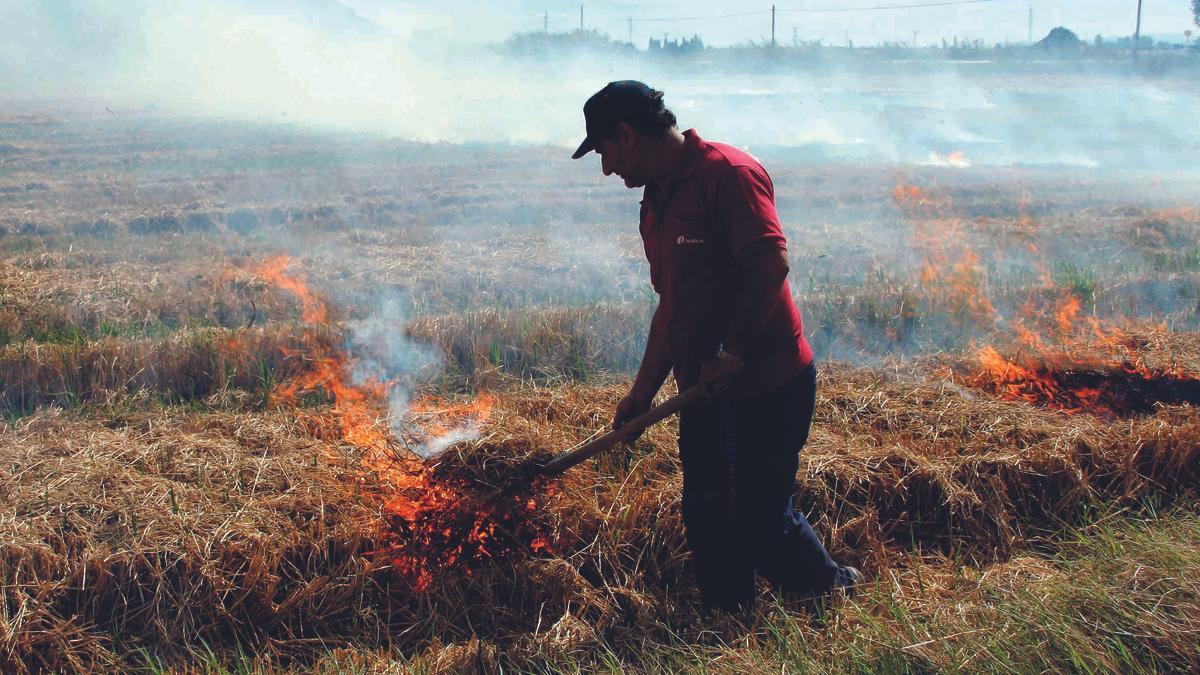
(725, 320)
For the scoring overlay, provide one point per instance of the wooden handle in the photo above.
(596, 446)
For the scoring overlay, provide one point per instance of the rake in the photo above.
(570, 458)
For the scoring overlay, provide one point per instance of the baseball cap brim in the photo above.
(584, 148)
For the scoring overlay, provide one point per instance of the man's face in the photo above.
(621, 156)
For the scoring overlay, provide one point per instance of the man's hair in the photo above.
(654, 120)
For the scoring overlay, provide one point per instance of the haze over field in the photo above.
(411, 73)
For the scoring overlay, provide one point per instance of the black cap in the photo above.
(621, 101)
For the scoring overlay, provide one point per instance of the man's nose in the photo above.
(605, 167)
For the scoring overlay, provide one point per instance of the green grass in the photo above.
(1077, 280)
(65, 331)
(1118, 594)
(132, 330)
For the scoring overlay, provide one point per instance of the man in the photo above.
(725, 320)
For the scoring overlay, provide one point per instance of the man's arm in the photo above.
(744, 201)
(655, 367)
(761, 274)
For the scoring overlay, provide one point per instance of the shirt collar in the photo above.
(694, 146)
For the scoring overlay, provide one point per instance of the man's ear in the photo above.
(626, 136)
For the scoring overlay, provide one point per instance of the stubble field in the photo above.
(210, 335)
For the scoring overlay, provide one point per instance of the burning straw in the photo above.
(433, 520)
(1060, 358)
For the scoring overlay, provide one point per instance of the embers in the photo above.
(458, 526)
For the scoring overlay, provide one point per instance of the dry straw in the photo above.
(153, 533)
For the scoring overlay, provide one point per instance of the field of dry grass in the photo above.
(181, 488)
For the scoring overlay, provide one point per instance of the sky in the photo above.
(991, 21)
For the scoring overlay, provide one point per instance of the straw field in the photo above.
(172, 499)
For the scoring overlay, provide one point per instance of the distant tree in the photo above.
(542, 44)
(1099, 40)
(1196, 11)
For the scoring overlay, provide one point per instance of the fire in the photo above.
(274, 271)
(1064, 361)
(432, 522)
(1086, 367)
(954, 158)
(1073, 385)
(439, 418)
(1184, 213)
(1018, 383)
(951, 271)
(908, 194)
(1068, 310)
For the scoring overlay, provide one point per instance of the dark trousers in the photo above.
(739, 470)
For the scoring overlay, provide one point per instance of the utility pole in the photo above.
(1137, 31)
(581, 18)
(914, 42)
(772, 25)
(546, 22)
(631, 30)
(1030, 39)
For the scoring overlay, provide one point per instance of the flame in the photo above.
(1089, 367)
(274, 271)
(1067, 364)
(1068, 310)
(951, 271)
(955, 159)
(1184, 213)
(1108, 388)
(438, 417)
(432, 523)
(1026, 336)
(1019, 383)
(905, 194)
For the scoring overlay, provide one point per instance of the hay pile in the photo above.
(140, 533)
(934, 464)
(153, 532)
(147, 530)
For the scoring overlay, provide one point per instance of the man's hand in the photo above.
(630, 407)
(718, 372)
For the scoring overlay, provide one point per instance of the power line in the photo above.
(872, 8)
(801, 10)
(702, 18)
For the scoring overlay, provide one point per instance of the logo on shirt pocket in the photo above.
(682, 240)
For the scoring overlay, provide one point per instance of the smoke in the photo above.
(317, 64)
(383, 353)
